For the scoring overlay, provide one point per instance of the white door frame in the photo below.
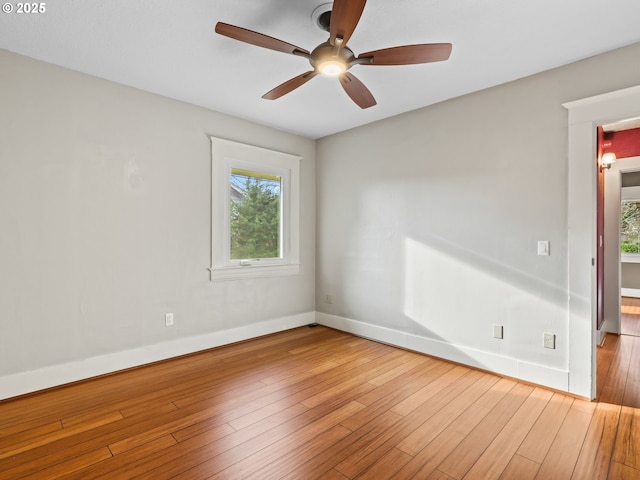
(584, 116)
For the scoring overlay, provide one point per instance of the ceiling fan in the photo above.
(334, 58)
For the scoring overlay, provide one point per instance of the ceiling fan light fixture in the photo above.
(332, 67)
(331, 61)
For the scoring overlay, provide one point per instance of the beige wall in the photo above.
(105, 221)
(630, 275)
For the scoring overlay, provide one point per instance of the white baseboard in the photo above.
(630, 292)
(502, 365)
(55, 375)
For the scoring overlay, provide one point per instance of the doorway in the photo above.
(619, 287)
(621, 233)
(629, 245)
(584, 116)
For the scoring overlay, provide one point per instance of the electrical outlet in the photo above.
(549, 340)
(498, 331)
(168, 320)
(328, 299)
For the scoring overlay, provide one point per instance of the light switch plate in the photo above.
(543, 247)
(498, 331)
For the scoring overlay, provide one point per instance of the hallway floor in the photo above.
(618, 359)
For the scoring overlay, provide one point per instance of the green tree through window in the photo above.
(630, 227)
(255, 215)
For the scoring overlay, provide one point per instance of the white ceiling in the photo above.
(169, 47)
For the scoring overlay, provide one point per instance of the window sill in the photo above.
(221, 274)
(630, 258)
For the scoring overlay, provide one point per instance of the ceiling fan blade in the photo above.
(344, 19)
(357, 91)
(289, 85)
(255, 38)
(408, 54)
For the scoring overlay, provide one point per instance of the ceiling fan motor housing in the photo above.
(325, 52)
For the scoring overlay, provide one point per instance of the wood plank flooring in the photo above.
(618, 367)
(315, 403)
(618, 361)
(630, 316)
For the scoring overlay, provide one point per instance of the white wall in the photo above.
(428, 222)
(105, 227)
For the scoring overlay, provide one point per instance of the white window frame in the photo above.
(226, 155)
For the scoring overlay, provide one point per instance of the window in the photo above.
(254, 211)
(255, 227)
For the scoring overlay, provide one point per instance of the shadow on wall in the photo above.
(458, 296)
(444, 300)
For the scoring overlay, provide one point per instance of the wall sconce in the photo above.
(607, 160)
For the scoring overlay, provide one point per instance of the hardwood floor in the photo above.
(618, 370)
(630, 316)
(315, 403)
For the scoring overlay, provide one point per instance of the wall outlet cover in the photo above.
(549, 340)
